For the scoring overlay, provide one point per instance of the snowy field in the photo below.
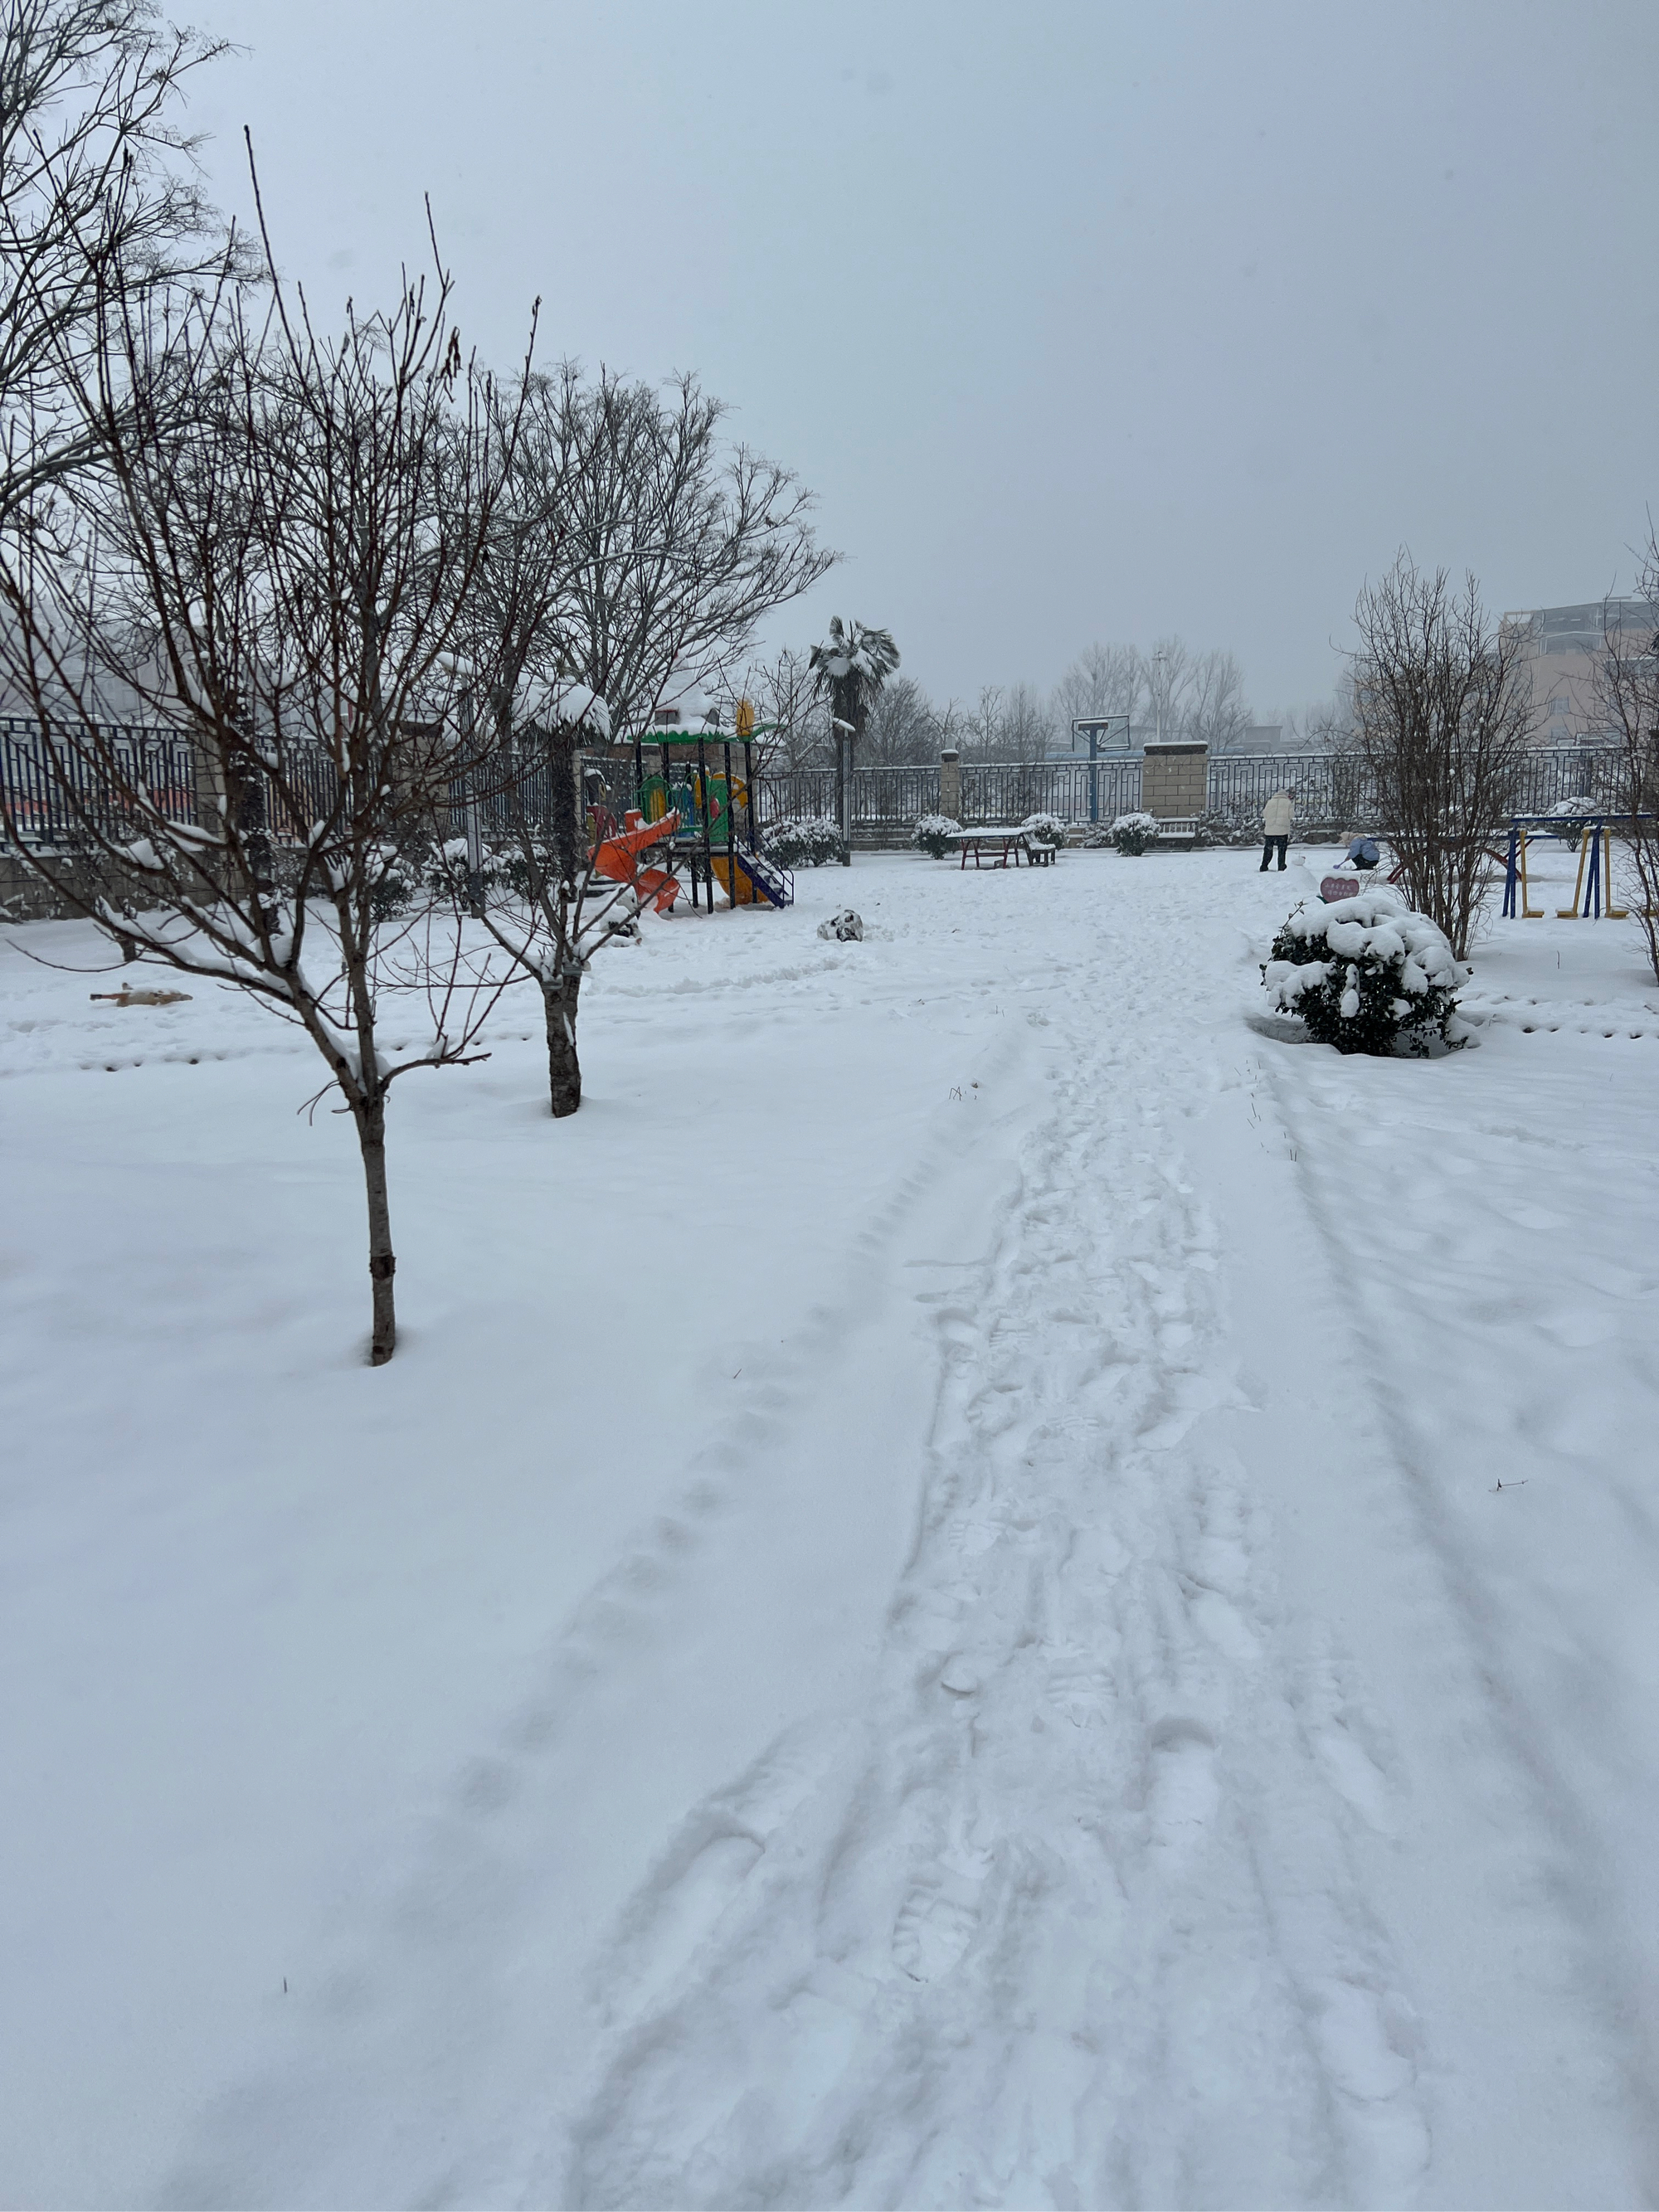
(925, 1615)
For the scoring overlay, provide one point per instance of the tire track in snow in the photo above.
(1068, 1916)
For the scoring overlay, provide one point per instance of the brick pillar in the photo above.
(950, 784)
(1174, 781)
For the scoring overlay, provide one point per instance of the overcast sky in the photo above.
(1083, 321)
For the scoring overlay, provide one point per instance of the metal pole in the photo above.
(702, 808)
(475, 905)
(731, 841)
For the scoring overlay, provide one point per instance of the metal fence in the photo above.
(887, 798)
(1333, 787)
(52, 793)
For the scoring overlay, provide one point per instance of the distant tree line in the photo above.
(1171, 690)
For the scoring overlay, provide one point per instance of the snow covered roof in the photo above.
(546, 704)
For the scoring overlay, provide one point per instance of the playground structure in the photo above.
(1592, 891)
(714, 840)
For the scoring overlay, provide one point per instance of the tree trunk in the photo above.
(564, 1070)
(562, 752)
(382, 1264)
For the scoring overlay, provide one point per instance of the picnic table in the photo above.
(1003, 844)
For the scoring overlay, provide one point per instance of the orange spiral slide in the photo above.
(617, 860)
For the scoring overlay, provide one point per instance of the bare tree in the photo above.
(903, 726)
(1213, 711)
(981, 723)
(634, 542)
(1443, 720)
(789, 711)
(1625, 689)
(1026, 728)
(281, 565)
(1103, 680)
(94, 172)
(1166, 671)
(547, 897)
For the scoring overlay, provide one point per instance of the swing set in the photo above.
(1593, 885)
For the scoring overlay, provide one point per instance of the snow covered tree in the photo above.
(275, 555)
(849, 669)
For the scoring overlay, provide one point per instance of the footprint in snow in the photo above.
(937, 1923)
(1182, 1791)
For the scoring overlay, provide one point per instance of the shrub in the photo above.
(932, 834)
(1367, 975)
(1043, 828)
(1135, 833)
(403, 875)
(1215, 826)
(810, 840)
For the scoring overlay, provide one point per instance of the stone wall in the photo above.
(1174, 781)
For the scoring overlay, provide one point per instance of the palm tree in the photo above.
(852, 665)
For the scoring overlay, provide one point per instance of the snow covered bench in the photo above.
(1007, 845)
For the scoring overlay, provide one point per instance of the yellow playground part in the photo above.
(742, 892)
(1587, 849)
(1593, 893)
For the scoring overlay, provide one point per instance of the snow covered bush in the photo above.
(1043, 828)
(808, 840)
(1135, 833)
(1367, 975)
(932, 834)
(399, 883)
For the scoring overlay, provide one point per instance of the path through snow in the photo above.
(1065, 1728)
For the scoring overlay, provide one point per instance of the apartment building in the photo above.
(1562, 649)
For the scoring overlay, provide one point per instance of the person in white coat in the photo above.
(1277, 820)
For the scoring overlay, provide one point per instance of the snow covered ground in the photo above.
(924, 1616)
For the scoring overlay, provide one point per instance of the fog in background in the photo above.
(1085, 322)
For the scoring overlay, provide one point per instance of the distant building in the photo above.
(1562, 646)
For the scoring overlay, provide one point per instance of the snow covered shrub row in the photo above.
(804, 840)
(1135, 833)
(1367, 975)
(1043, 828)
(933, 834)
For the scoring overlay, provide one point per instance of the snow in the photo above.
(991, 1580)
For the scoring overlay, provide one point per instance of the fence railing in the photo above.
(53, 793)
